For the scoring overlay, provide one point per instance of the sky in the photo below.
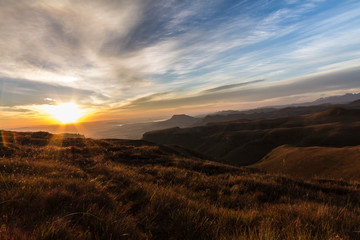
(127, 59)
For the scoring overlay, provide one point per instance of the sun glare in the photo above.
(66, 113)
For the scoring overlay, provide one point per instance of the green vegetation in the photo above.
(76, 188)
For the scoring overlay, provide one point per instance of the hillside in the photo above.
(307, 162)
(53, 187)
(245, 142)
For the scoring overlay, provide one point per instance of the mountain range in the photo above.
(246, 142)
(117, 129)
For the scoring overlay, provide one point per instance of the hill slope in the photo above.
(245, 142)
(76, 188)
(313, 161)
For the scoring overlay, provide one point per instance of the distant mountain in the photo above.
(244, 142)
(114, 129)
(89, 129)
(281, 111)
(262, 113)
(181, 120)
(117, 129)
(340, 99)
(136, 130)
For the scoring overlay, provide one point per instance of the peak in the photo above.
(180, 116)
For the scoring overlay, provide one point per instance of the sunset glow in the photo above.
(66, 113)
(130, 60)
(173, 119)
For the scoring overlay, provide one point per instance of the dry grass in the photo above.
(326, 162)
(59, 188)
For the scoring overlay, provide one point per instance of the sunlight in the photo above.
(66, 113)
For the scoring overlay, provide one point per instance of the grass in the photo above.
(75, 188)
(307, 162)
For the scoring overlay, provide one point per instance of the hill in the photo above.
(245, 142)
(306, 162)
(54, 187)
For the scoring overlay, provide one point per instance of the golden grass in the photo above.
(112, 189)
(328, 162)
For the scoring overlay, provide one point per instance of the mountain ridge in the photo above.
(245, 142)
(117, 129)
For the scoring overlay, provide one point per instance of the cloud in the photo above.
(146, 99)
(14, 110)
(330, 81)
(56, 41)
(20, 92)
(191, 52)
(232, 86)
(279, 37)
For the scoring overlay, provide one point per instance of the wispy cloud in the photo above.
(114, 52)
(20, 92)
(302, 86)
(232, 86)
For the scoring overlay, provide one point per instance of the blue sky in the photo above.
(122, 59)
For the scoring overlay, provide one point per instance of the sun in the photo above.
(66, 113)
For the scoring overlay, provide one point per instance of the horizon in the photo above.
(82, 127)
(127, 60)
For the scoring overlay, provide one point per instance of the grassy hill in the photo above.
(313, 161)
(245, 142)
(54, 187)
